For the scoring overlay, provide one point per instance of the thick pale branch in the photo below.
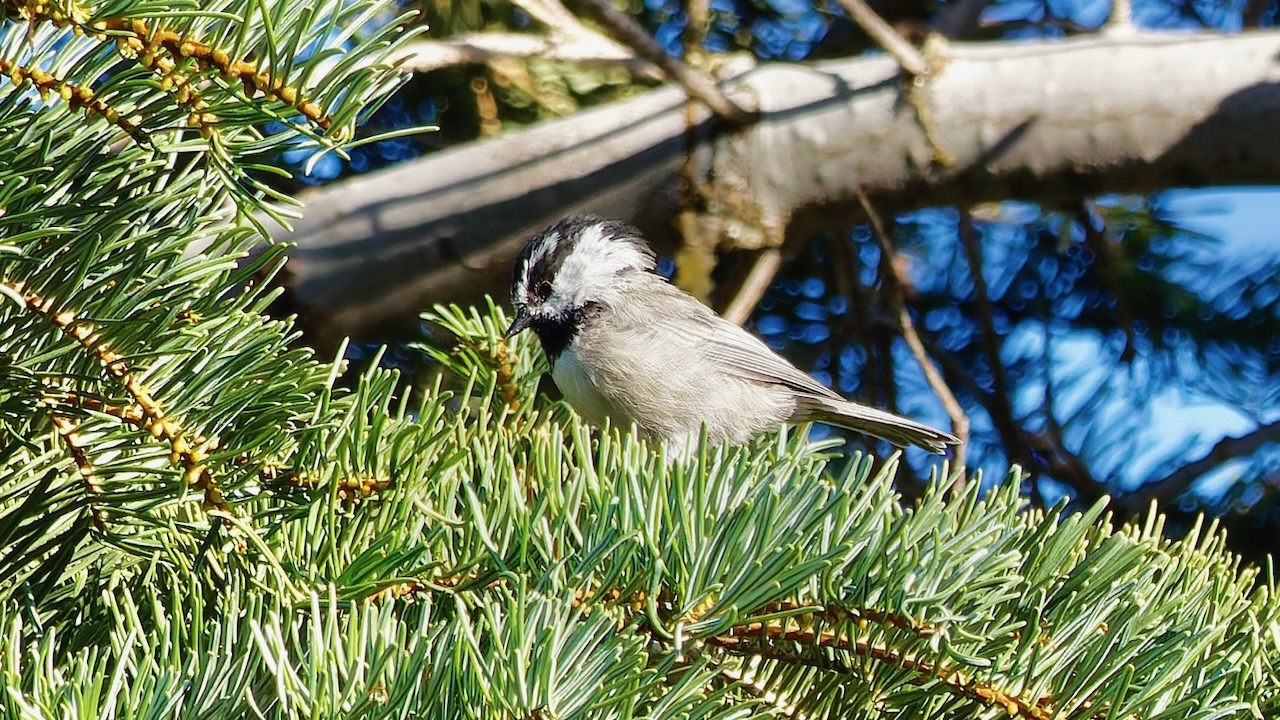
(1042, 120)
(480, 48)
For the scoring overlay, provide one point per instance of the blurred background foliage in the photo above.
(1112, 341)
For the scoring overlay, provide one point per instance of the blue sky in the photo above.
(1175, 425)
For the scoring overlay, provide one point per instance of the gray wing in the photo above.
(736, 351)
(740, 353)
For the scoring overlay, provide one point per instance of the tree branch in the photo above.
(482, 48)
(1061, 461)
(1000, 408)
(1100, 240)
(698, 85)
(567, 40)
(376, 249)
(761, 275)
(911, 60)
(898, 298)
(1177, 482)
(1051, 455)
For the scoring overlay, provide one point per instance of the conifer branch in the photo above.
(508, 539)
(76, 96)
(187, 453)
(161, 50)
(776, 641)
(350, 490)
(67, 431)
(131, 414)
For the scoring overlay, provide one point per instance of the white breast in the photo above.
(579, 389)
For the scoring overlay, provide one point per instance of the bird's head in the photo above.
(565, 271)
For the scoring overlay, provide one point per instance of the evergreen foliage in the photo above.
(195, 522)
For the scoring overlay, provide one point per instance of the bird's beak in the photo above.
(520, 323)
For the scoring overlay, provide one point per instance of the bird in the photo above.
(628, 347)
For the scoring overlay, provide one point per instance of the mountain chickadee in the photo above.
(626, 345)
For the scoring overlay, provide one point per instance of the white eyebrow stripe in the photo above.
(546, 249)
(543, 250)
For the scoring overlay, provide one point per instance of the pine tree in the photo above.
(196, 521)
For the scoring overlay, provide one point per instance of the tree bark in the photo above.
(1036, 120)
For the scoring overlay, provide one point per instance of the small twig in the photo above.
(483, 48)
(1100, 242)
(958, 375)
(911, 60)
(1018, 443)
(1001, 410)
(914, 63)
(188, 452)
(1063, 462)
(758, 279)
(1120, 21)
(695, 33)
(69, 432)
(779, 642)
(898, 297)
(1054, 458)
(847, 268)
(697, 85)
(567, 40)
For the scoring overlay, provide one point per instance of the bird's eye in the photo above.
(543, 289)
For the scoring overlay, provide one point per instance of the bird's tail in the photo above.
(885, 425)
